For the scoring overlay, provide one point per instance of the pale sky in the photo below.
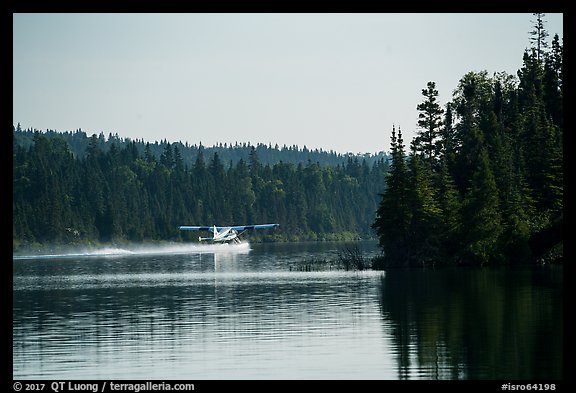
(331, 81)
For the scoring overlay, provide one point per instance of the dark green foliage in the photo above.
(117, 192)
(78, 142)
(486, 186)
(430, 123)
(394, 215)
(538, 35)
(423, 203)
(481, 222)
(449, 226)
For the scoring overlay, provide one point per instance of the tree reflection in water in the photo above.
(474, 323)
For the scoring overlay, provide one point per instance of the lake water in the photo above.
(250, 312)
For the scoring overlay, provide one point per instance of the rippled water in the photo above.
(245, 313)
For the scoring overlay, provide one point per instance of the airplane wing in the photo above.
(259, 226)
(236, 228)
(193, 228)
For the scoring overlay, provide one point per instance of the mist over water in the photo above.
(142, 249)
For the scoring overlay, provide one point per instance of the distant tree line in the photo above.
(115, 192)
(79, 140)
(482, 182)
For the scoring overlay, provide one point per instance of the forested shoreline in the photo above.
(114, 193)
(482, 182)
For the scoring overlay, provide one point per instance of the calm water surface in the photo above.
(199, 312)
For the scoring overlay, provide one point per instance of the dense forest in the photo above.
(482, 181)
(69, 188)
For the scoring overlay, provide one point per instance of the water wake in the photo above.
(143, 249)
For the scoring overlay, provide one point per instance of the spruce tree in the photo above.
(538, 35)
(447, 142)
(471, 98)
(430, 123)
(425, 213)
(552, 83)
(393, 217)
(449, 204)
(481, 220)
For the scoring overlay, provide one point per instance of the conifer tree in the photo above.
(552, 83)
(538, 35)
(425, 213)
(471, 97)
(481, 219)
(447, 142)
(449, 204)
(430, 123)
(393, 217)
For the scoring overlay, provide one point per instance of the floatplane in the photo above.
(225, 234)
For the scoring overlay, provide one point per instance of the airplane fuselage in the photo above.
(225, 234)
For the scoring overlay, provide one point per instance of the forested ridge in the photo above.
(79, 140)
(69, 188)
(482, 182)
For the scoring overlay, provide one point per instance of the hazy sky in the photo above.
(331, 81)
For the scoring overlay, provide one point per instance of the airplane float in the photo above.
(225, 234)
